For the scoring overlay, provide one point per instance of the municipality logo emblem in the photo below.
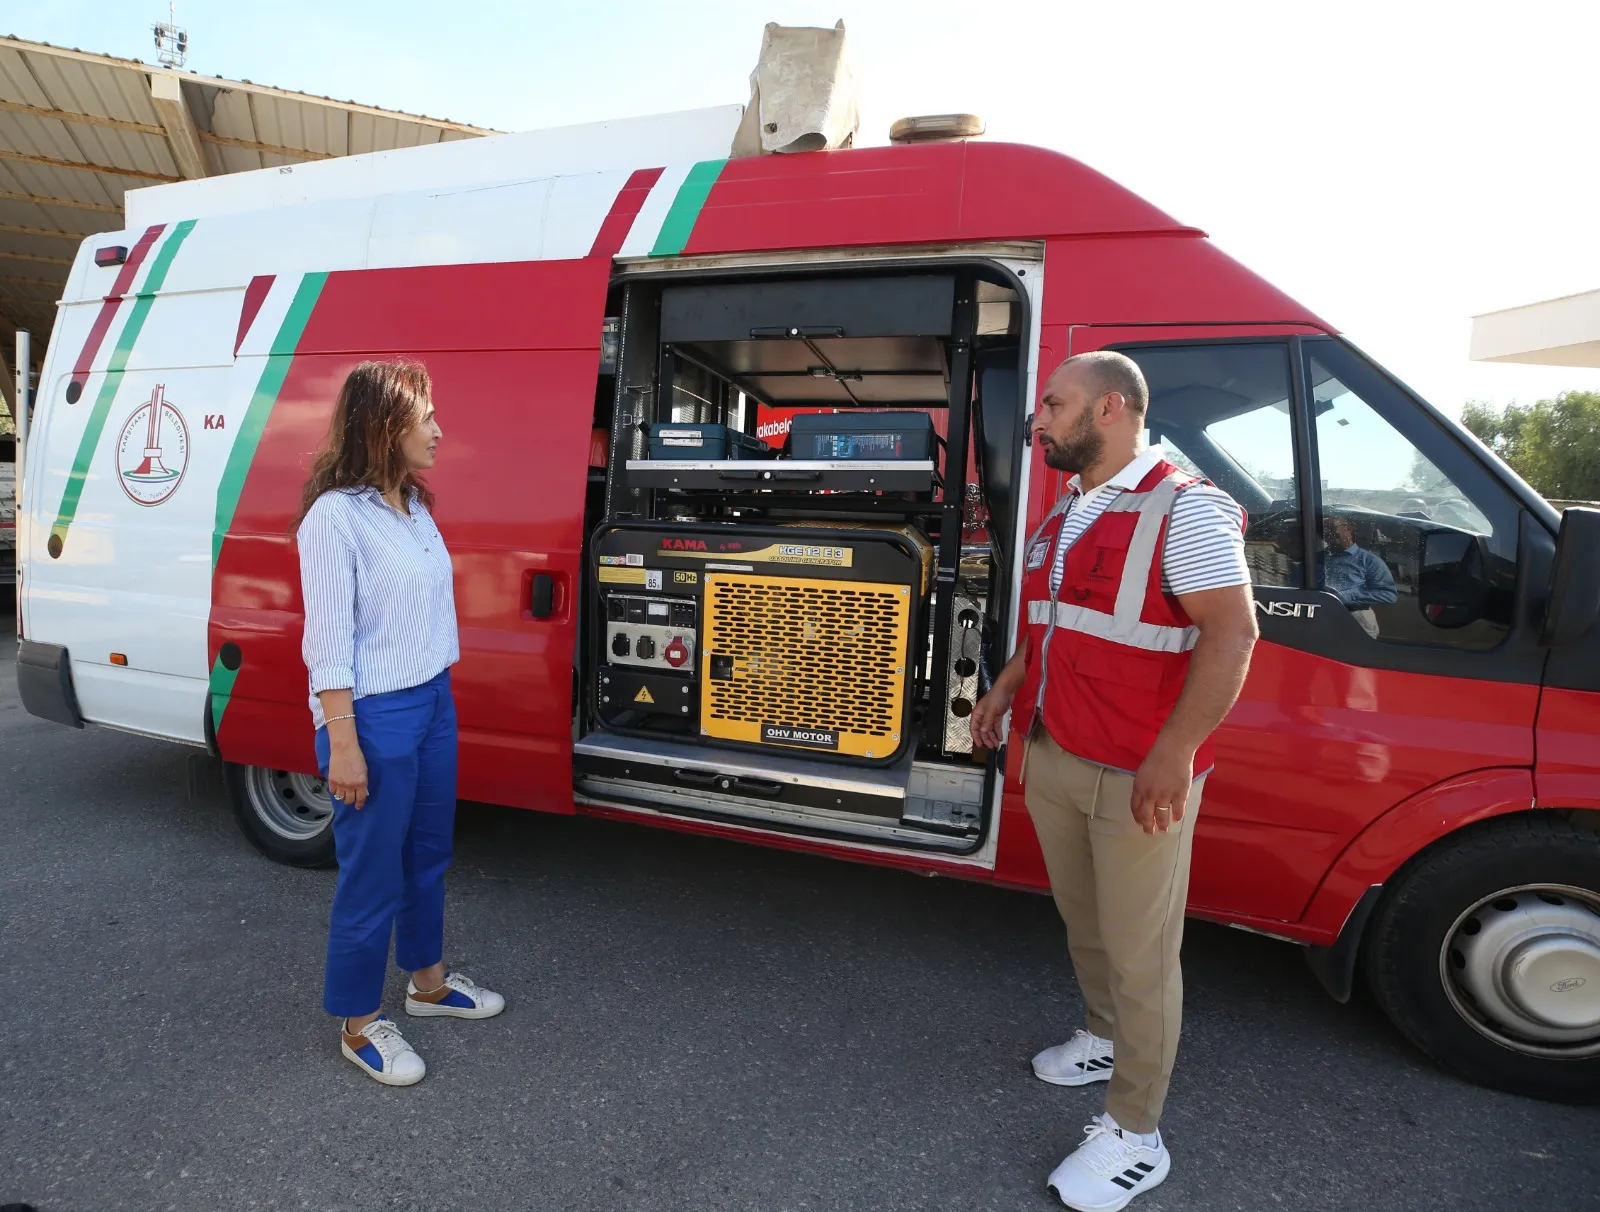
(153, 450)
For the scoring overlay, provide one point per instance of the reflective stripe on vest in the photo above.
(1152, 637)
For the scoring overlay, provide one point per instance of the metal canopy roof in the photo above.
(77, 130)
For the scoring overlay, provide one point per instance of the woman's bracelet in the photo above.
(332, 718)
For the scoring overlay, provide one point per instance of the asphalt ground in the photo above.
(691, 1024)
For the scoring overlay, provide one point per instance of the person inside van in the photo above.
(1357, 577)
(380, 638)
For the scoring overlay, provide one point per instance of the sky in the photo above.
(1397, 167)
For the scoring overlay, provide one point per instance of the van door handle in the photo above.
(724, 782)
(542, 598)
(767, 787)
(790, 332)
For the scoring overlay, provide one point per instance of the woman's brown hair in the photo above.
(378, 405)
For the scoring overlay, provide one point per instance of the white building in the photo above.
(1557, 332)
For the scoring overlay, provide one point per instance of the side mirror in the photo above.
(1575, 579)
(1452, 578)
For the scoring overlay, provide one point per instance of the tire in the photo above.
(1485, 953)
(286, 816)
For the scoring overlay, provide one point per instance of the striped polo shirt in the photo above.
(379, 596)
(1205, 534)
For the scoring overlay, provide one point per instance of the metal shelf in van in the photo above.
(785, 475)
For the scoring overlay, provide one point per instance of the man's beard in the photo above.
(1079, 450)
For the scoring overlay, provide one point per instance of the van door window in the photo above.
(1221, 410)
(1414, 550)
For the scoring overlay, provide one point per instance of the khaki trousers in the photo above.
(1121, 894)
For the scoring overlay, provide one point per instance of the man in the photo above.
(1357, 577)
(1140, 627)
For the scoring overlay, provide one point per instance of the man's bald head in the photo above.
(1092, 412)
(1105, 371)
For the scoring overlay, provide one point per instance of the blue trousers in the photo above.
(394, 852)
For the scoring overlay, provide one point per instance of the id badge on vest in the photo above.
(1038, 553)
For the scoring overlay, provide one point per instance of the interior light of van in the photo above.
(111, 254)
(927, 128)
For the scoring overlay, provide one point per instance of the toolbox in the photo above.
(869, 436)
(699, 442)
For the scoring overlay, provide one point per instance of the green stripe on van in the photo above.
(691, 197)
(96, 424)
(254, 423)
(222, 680)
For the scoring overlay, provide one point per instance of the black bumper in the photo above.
(44, 678)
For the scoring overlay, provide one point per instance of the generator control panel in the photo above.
(651, 632)
(778, 638)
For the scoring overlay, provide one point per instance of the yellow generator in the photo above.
(802, 637)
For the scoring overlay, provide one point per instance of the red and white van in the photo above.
(784, 649)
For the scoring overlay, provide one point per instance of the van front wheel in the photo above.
(1485, 952)
(286, 816)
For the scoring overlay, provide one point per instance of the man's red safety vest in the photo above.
(1108, 653)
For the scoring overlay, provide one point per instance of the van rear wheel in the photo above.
(285, 815)
(1485, 952)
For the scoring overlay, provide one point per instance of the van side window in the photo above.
(1221, 411)
(1416, 543)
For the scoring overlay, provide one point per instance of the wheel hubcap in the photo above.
(296, 807)
(1523, 967)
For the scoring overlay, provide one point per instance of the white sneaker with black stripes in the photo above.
(1108, 1169)
(1082, 1059)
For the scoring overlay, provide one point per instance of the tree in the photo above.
(1552, 444)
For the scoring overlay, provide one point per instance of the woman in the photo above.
(380, 637)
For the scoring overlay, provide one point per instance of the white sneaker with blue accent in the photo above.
(382, 1052)
(1082, 1059)
(458, 997)
(1108, 1169)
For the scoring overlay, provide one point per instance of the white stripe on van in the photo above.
(647, 224)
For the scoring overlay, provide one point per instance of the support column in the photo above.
(183, 136)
